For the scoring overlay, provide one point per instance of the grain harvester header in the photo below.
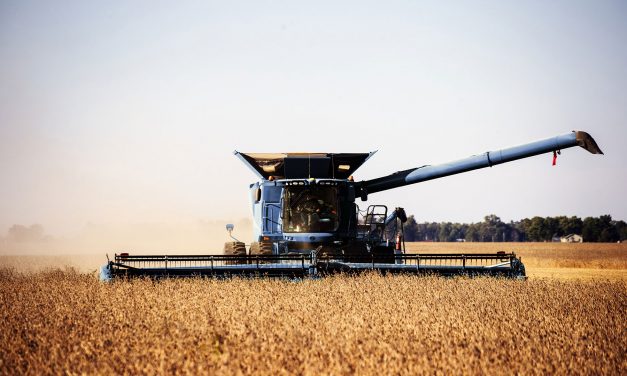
(307, 221)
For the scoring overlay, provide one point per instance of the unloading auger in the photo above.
(306, 221)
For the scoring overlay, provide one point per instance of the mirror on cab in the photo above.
(257, 194)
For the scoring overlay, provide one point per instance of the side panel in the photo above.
(271, 209)
(256, 209)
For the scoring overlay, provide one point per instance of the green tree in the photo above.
(551, 228)
(524, 226)
(20, 233)
(536, 231)
(621, 229)
(422, 231)
(608, 229)
(458, 231)
(591, 229)
(492, 228)
(444, 231)
(569, 225)
(472, 233)
(410, 229)
(432, 231)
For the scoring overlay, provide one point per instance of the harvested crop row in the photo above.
(63, 320)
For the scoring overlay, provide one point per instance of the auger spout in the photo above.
(488, 159)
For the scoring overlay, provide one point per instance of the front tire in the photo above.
(234, 249)
(261, 248)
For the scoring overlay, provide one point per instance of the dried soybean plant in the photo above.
(62, 321)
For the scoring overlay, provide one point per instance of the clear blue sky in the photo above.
(128, 112)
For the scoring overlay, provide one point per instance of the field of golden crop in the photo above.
(64, 321)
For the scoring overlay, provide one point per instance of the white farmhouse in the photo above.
(572, 238)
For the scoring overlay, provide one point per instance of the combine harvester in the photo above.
(306, 221)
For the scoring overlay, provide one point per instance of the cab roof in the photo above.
(304, 165)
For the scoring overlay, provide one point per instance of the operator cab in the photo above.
(310, 209)
(303, 200)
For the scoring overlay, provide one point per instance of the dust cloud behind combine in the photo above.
(30, 248)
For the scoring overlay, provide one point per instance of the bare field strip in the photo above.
(585, 274)
(554, 260)
(66, 322)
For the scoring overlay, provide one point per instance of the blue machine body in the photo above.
(304, 200)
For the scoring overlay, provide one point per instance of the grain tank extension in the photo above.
(307, 221)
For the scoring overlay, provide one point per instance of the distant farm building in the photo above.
(572, 238)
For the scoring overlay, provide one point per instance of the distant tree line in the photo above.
(20, 233)
(536, 229)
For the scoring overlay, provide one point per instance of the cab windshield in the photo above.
(310, 209)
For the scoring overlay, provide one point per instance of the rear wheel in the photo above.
(235, 249)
